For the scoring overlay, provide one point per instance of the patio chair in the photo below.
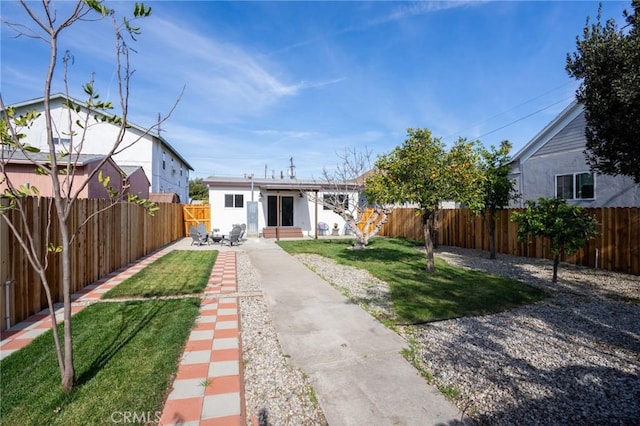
(243, 228)
(202, 231)
(234, 236)
(196, 238)
(323, 228)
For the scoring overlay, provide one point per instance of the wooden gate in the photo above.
(195, 214)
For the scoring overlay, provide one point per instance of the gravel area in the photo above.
(275, 392)
(573, 358)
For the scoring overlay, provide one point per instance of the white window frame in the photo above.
(235, 196)
(575, 186)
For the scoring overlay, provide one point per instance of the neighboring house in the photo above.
(553, 164)
(293, 207)
(168, 170)
(21, 171)
(137, 180)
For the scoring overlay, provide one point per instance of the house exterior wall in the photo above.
(139, 184)
(304, 209)
(146, 152)
(21, 174)
(538, 174)
(95, 189)
(559, 150)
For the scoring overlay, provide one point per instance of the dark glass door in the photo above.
(272, 210)
(286, 211)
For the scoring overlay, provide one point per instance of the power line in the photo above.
(509, 110)
(525, 117)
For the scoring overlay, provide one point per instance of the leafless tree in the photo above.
(364, 211)
(47, 24)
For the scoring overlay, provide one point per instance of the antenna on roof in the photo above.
(292, 169)
(265, 170)
(159, 120)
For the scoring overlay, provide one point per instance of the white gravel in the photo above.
(275, 392)
(573, 358)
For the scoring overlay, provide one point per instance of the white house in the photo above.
(292, 207)
(167, 169)
(553, 164)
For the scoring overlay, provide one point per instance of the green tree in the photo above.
(48, 24)
(498, 189)
(421, 171)
(607, 64)
(567, 227)
(198, 190)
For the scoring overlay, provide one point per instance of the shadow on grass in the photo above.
(127, 331)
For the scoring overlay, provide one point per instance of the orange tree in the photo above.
(424, 173)
(568, 228)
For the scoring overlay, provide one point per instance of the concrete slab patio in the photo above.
(354, 362)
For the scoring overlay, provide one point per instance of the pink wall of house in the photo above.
(22, 174)
(139, 184)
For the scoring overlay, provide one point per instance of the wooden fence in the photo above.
(111, 239)
(616, 248)
(195, 214)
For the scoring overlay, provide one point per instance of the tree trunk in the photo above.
(427, 227)
(556, 261)
(69, 373)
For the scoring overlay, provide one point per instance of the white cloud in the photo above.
(232, 79)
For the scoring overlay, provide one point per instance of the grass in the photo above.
(126, 353)
(178, 272)
(418, 296)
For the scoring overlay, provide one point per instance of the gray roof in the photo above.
(44, 157)
(275, 184)
(106, 114)
(129, 170)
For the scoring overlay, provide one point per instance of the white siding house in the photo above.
(294, 206)
(167, 169)
(553, 164)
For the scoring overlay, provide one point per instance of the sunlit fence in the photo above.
(616, 248)
(111, 239)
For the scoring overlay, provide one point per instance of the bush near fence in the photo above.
(616, 248)
(112, 239)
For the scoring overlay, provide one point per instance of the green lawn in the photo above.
(178, 272)
(418, 296)
(126, 353)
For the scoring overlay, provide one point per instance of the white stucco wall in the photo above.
(223, 218)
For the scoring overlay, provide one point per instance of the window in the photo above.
(576, 186)
(61, 141)
(335, 199)
(164, 159)
(234, 200)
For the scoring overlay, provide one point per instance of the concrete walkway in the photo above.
(353, 361)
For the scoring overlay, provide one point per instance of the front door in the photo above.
(285, 210)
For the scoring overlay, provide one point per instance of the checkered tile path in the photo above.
(208, 386)
(21, 334)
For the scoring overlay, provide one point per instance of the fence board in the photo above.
(109, 240)
(615, 248)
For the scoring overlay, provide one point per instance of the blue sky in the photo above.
(266, 81)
